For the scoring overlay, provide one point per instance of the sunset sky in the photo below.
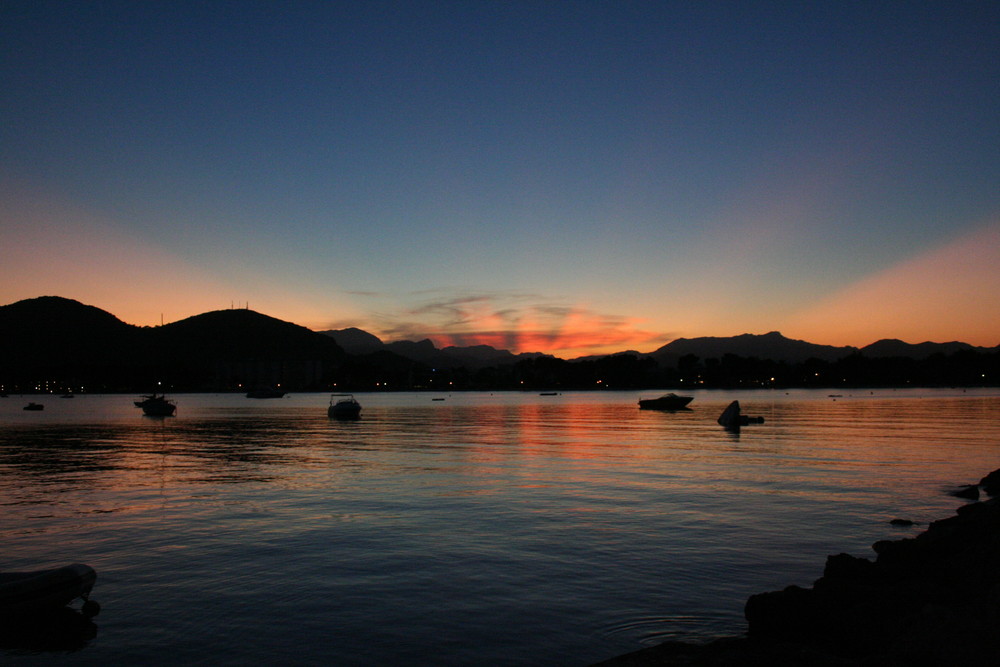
(565, 177)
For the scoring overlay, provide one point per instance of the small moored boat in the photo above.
(33, 406)
(343, 406)
(46, 590)
(669, 401)
(156, 405)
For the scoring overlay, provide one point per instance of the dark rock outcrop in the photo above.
(929, 600)
(933, 599)
(991, 483)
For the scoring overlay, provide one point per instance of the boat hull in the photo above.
(159, 410)
(156, 406)
(340, 411)
(668, 402)
(44, 590)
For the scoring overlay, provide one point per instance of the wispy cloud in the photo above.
(517, 321)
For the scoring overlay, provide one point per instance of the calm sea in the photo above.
(482, 529)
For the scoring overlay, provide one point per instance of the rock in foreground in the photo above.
(929, 600)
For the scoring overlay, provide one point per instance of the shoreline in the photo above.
(932, 599)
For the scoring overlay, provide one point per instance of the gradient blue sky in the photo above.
(566, 177)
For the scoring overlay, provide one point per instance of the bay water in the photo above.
(463, 528)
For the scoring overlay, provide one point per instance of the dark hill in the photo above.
(243, 349)
(472, 357)
(246, 334)
(58, 325)
(422, 351)
(891, 347)
(480, 356)
(51, 336)
(52, 339)
(771, 346)
(355, 341)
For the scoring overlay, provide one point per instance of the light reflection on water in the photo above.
(483, 529)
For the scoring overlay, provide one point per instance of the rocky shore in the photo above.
(933, 599)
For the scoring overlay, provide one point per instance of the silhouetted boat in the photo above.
(155, 405)
(46, 590)
(265, 393)
(68, 395)
(669, 401)
(343, 406)
(34, 406)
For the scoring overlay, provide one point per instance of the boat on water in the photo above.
(156, 405)
(40, 591)
(343, 406)
(669, 401)
(34, 406)
(266, 393)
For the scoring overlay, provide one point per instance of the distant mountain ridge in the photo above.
(765, 346)
(473, 357)
(239, 347)
(891, 347)
(772, 345)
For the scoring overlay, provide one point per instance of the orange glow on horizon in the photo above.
(949, 294)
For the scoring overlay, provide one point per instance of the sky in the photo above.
(564, 177)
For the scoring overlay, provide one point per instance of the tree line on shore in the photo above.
(386, 372)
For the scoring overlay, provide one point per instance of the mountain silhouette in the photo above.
(240, 349)
(246, 334)
(473, 357)
(771, 346)
(355, 341)
(891, 347)
(39, 336)
(58, 337)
